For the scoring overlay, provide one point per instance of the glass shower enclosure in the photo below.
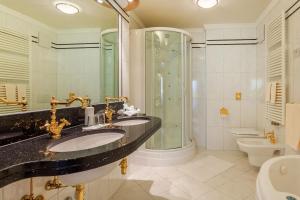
(109, 68)
(168, 87)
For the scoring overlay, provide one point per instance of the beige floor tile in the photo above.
(131, 191)
(251, 197)
(170, 173)
(217, 181)
(141, 173)
(200, 173)
(192, 187)
(214, 195)
(205, 168)
(236, 189)
(211, 175)
(174, 193)
(157, 186)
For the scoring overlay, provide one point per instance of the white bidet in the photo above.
(259, 150)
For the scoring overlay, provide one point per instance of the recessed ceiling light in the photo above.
(67, 8)
(100, 1)
(206, 3)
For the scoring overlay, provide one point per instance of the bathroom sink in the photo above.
(279, 178)
(131, 122)
(87, 142)
(83, 143)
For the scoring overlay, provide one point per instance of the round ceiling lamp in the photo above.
(127, 5)
(67, 7)
(206, 3)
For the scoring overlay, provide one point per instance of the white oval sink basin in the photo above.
(132, 122)
(87, 142)
(279, 178)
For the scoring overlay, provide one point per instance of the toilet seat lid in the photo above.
(246, 131)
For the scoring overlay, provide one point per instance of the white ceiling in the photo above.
(92, 15)
(185, 14)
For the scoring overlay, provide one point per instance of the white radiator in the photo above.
(276, 69)
(14, 65)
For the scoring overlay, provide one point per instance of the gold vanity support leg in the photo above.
(124, 165)
(31, 195)
(79, 192)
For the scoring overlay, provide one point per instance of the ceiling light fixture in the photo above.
(206, 3)
(67, 7)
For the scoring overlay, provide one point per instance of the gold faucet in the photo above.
(271, 137)
(54, 128)
(23, 103)
(108, 110)
(85, 101)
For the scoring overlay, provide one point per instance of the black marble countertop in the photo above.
(31, 158)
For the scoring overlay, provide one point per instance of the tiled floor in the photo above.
(211, 175)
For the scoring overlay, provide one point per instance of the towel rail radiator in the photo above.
(276, 69)
(14, 65)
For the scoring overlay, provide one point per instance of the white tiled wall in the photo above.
(199, 82)
(199, 96)
(230, 69)
(294, 57)
(274, 10)
(79, 69)
(230, 31)
(43, 64)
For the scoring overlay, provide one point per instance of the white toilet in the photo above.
(259, 150)
(246, 133)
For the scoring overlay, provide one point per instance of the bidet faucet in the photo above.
(271, 137)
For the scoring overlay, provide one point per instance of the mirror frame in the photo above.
(123, 22)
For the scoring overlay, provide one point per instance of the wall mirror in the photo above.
(54, 47)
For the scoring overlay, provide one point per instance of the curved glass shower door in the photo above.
(109, 68)
(164, 87)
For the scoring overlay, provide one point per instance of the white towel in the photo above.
(10, 91)
(268, 92)
(273, 92)
(292, 128)
(21, 91)
(130, 113)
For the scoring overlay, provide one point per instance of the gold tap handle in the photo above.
(45, 126)
(66, 122)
